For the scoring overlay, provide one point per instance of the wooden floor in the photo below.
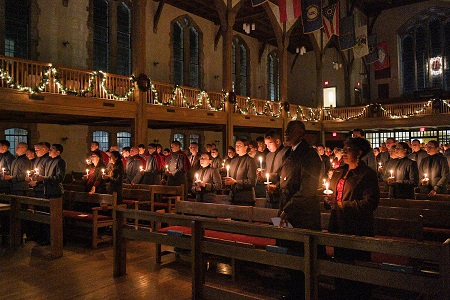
(84, 273)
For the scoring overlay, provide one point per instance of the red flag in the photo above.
(383, 57)
(289, 10)
(330, 19)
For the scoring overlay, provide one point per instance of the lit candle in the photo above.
(228, 170)
(392, 173)
(196, 177)
(87, 171)
(3, 171)
(36, 171)
(324, 181)
(327, 191)
(103, 171)
(326, 185)
(260, 162)
(267, 176)
(87, 161)
(426, 176)
(379, 164)
(141, 168)
(167, 168)
(28, 173)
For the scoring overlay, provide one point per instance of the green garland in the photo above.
(69, 91)
(111, 93)
(304, 117)
(250, 104)
(4, 75)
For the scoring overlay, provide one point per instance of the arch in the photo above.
(123, 39)
(15, 136)
(273, 76)
(241, 66)
(186, 43)
(102, 137)
(101, 35)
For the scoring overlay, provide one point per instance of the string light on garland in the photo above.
(446, 102)
(110, 93)
(204, 94)
(250, 104)
(4, 75)
(68, 91)
(363, 110)
(303, 117)
(396, 116)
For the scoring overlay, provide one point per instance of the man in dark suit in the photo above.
(42, 156)
(19, 168)
(299, 205)
(194, 162)
(134, 165)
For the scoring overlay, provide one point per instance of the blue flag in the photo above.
(311, 15)
(347, 38)
(373, 54)
(258, 2)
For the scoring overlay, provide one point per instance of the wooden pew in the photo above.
(84, 211)
(172, 192)
(136, 199)
(432, 278)
(53, 218)
(437, 197)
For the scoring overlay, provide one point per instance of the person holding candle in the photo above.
(216, 162)
(115, 175)
(134, 163)
(355, 197)
(231, 153)
(369, 159)
(6, 159)
(417, 153)
(242, 175)
(435, 165)
(42, 157)
(94, 181)
(18, 174)
(404, 174)
(178, 167)
(194, 160)
(208, 180)
(152, 170)
(274, 161)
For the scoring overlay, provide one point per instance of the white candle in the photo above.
(228, 170)
(392, 173)
(326, 185)
(260, 162)
(379, 164)
(267, 176)
(37, 171)
(167, 168)
(196, 177)
(103, 171)
(87, 171)
(87, 161)
(3, 171)
(28, 173)
(426, 176)
(141, 168)
(324, 181)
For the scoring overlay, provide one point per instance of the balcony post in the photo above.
(140, 126)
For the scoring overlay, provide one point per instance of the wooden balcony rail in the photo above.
(346, 113)
(32, 76)
(252, 106)
(181, 96)
(303, 113)
(406, 109)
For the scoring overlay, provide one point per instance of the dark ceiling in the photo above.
(264, 32)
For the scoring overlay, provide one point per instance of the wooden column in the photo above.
(139, 58)
(227, 14)
(56, 227)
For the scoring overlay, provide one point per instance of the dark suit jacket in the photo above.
(133, 169)
(299, 179)
(152, 174)
(39, 163)
(437, 170)
(274, 161)
(360, 197)
(179, 166)
(54, 173)
(418, 156)
(6, 160)
(406, 176)
(19, 168)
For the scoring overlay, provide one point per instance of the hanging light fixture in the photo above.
(248, 27)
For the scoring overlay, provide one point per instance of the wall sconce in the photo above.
(337, 65)
(155, 63)
(301, 50)
(260, 86)
(155, 141)
(216, 76)
(248, 27)
(65, 43)
(65, 3)
(64, 139)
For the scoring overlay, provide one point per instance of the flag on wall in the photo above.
(373, 55)
(347, 33)
(362, 47)
(383, 56)
(330, 19)
(258, 2)
(289, 10)
(311, 15)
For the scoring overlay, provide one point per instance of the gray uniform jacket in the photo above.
(39, 163)
(6, 160)
(213, 184)
(243, 170)
(436, 168)
(54, 173)
(274, 161)
(19, 168)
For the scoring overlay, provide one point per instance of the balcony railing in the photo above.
(37, 77)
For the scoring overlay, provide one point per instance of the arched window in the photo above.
(425, 53)
(194, 138)
(273, 76)
(102, 137)
(179, 137)
(101, 35)
(14, 136)
(241, 63)
(123, 40)
(17, 29)
(186, 52)
(123, 139)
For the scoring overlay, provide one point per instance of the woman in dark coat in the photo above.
(115, 175)
(94, 181)
(355, 197)
(242, 176)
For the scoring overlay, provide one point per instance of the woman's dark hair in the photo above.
(359, 144)
(97, 152)
(118, 165)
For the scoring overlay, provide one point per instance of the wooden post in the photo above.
(119, 243)
(198, 273)
(15, 224)
(445, 269)
(56, 227)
